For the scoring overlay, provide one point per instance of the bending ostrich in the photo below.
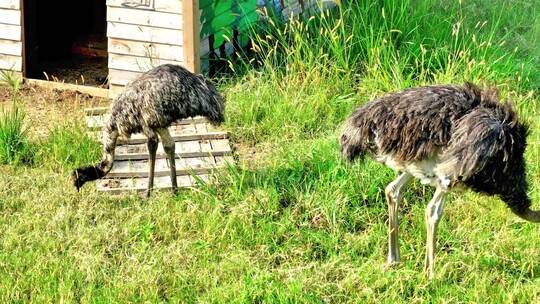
(149, 104)
(449, 137)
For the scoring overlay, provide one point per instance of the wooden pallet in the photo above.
(200, 150)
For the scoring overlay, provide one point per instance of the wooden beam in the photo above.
(96, 120)
(93, 91)
(140, 184)
(11, 4)
(187, 149)
(128, 169)
(24, 68)
(191, 20)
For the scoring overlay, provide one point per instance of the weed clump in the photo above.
(14, 144)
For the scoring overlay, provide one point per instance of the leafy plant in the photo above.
(10, 79)
(14, 145)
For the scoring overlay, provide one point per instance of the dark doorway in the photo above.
(66, 41)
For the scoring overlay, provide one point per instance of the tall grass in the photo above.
(311, 71)
(14, 144)
(9, 79)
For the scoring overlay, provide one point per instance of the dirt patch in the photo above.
(252, 156)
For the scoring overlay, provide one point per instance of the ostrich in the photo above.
(149, 104)
(449, 137)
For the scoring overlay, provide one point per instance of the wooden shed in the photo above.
(103, 44)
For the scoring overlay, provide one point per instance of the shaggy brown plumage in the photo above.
(448, 136)
(150, 104)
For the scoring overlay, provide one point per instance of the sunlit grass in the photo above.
(295, 224)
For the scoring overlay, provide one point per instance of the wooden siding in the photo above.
(146, 49)
(144, 33)
(10, 16)
(10, 47)
(167, 6)
(8, 62)
(142, 37)
(11, 4)
(10, 36)
(134, 63)
(121, 77)
(145, 17)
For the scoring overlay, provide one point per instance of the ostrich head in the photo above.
(211, 103)
(488, 144)
(504, 173)
(82, 175)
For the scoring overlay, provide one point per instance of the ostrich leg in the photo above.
(393, 198)
(152, 149)
(434, 213)
(168, 146)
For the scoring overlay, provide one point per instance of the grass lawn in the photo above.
(290, 222)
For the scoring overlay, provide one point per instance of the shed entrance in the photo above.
(66, 41)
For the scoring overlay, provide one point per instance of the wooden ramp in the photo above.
(200, 149)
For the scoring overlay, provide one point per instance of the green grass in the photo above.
(14, 146)
(67, 146)
(295, 224)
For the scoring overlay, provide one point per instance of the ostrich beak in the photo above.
(75, 179)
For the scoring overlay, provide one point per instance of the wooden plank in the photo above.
(93, 91)
(144, 17)
(9, 62)
(10, 4)
(183, 149)
(146, 49)
(97, 122)
(10, 47)
(122, 78)
(136, 64)
(24, 40)
(192, 35)
(224, 161)
(139, 185)
(171, 6)
(139, 138)
(10, 16)
(10, 32)
(184, 166)
(117, 186)
(96, 110)
(178, 133)
(217, 145)
(115, 90)
(144, 33)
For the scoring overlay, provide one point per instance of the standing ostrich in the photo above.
(449, 137)
(150, 104)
